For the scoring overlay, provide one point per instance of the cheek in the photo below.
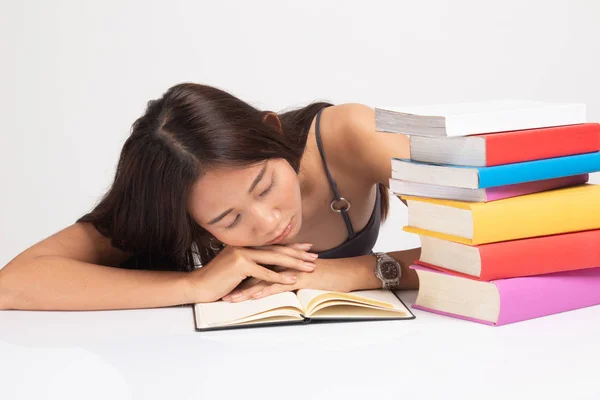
(235, 237)
(290, 190)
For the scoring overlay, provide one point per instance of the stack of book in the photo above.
(498, 192)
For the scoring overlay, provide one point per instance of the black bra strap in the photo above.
(344, 213)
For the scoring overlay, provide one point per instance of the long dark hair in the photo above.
(190, 129)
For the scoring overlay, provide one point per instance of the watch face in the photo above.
(389, 270)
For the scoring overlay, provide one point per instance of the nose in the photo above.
(268, 220)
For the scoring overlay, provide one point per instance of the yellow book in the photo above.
(547, 213)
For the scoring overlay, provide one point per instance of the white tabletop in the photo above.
(157, 354)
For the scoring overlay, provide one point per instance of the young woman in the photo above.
(264, 202)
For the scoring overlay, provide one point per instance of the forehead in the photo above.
(219, 189)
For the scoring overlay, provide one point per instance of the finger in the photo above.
(248, 293)
(281, 259)
(242, 288)
(267, 275)
(249, 282)
(271, 290)
(293, 250)
(246, 284)
(301, 246)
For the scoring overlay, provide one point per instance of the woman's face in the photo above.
(251, 206)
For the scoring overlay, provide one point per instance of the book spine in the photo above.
(537, 296)
(538, 170)
(524, 145)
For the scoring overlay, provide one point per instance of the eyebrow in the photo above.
(258, 178)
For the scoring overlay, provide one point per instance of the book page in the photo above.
(381, 299)
(222, 313)
(471, 107)
(352, 312)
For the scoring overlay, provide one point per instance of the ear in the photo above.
(272, 119)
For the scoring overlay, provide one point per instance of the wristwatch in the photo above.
(388, 270)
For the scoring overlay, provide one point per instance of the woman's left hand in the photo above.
(326, 276)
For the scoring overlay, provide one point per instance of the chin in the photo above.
(297, 225)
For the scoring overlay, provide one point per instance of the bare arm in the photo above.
(358, 273)
(73, 270)
(337, 274)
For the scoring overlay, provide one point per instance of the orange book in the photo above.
(514, 258)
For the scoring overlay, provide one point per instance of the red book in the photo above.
(513, 258)
(507, 147)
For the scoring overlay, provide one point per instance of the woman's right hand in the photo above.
(234, 264)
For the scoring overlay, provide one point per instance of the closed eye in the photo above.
(234, 223)
(238, 217)
(267, 190)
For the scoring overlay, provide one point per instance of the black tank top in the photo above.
(358, 244)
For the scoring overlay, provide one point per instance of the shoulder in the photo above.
(351, 117)
(340, 126)
(366, 152)
(347, 126)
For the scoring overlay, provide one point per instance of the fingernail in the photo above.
(306, 246)
(257, 294)
(313, 256)
(235, 296)
(309, 266)
(292, 279)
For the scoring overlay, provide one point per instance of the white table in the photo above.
(157, 354)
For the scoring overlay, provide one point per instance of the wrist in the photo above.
(342, 274)
(388, 270)
(337, 275)
(188, 284)
(363, 276)
(409, 279)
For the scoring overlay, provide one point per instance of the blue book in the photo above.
(501, 175)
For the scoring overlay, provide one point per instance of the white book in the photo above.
(463, 119)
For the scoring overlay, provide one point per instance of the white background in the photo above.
(74, 75)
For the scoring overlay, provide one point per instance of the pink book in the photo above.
(406, 188)
(520, 189)
(505, 301)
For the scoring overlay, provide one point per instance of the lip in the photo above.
(283, 234)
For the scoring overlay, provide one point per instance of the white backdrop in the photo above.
(76, 74)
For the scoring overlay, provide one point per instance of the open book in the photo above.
(302, 307)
